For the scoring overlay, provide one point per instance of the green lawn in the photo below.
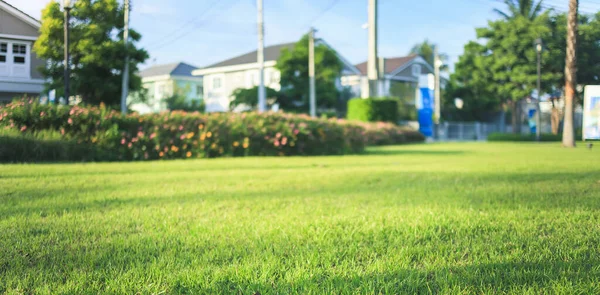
(470, 218)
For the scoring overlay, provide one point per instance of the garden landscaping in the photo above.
(476, 218)
(32, 132)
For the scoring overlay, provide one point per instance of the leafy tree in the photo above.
(293, 65)
(249, 97)
(529, 9)
(178, 102)
(510, 43)
(426, 49)
(96, 47)
(588, 51)
(471, 81)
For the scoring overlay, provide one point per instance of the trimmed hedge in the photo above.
(101, 134)
(522, 137)
(373, 110)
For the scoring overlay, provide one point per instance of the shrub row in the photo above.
(98, 133)
(373, 110)
(522, 137)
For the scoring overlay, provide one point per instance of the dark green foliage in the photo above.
(46, 146)
(96, 47)
(249, 97)
(522, 137)
(178, 102)
(373, 110)
(293, 65)
(525, 8)
(588, 52)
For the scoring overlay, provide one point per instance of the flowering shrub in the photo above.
(173, 135)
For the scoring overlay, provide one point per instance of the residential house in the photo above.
(399, 77)
(162, 81)
(19, 65)
(223, 78)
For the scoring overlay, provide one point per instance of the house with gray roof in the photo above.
(223, 78)
(19, 65)
(399, 77)
(163, 81)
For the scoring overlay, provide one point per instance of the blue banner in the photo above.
(425, 111)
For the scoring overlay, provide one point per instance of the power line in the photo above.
(324, 11)
(191, 21)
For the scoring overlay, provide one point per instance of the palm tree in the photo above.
(426, 49)
(527, 8)
(568, 139)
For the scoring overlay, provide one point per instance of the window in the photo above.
(14, 59)
(160, 91)
(254, 78)
(19, 53)
(3, 51)
(216, 83)
(19, 49)
(275, 77)
(416, 70)
(199, 90)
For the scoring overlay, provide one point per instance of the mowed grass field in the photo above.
(473, 218)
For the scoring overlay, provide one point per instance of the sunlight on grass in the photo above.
(444, 218)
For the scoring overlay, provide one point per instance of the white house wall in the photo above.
(218, 99)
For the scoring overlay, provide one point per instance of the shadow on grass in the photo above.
(488, 191)
(576, 276)
(179, 259)
(397, 152)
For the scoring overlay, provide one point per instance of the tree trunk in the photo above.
(568, 139)
(555, 120)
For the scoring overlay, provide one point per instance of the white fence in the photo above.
(470, 131)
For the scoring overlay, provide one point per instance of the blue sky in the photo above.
(202, 32)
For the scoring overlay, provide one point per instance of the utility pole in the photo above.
(372, 68)
(262, 100)
(311, 73)
(67, 7)
(437, 93)
(538, 111)
(125, 82)
(568, 139)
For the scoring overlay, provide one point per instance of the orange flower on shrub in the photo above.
(246, 145)
(161, 154)
(174, 148)
(236, 144)
(188, 154)
(190, 135)
(201, 126)
(208, 134)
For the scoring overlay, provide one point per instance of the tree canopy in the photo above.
(426, 49)
(96, 47)
(249, 97)
(293, 65)
(529, 9)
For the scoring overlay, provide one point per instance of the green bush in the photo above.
(522, 137)
(373, 110)
(45, 146)
(98, 133)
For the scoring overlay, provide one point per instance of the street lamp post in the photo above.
(538, 118)
(67, 7)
